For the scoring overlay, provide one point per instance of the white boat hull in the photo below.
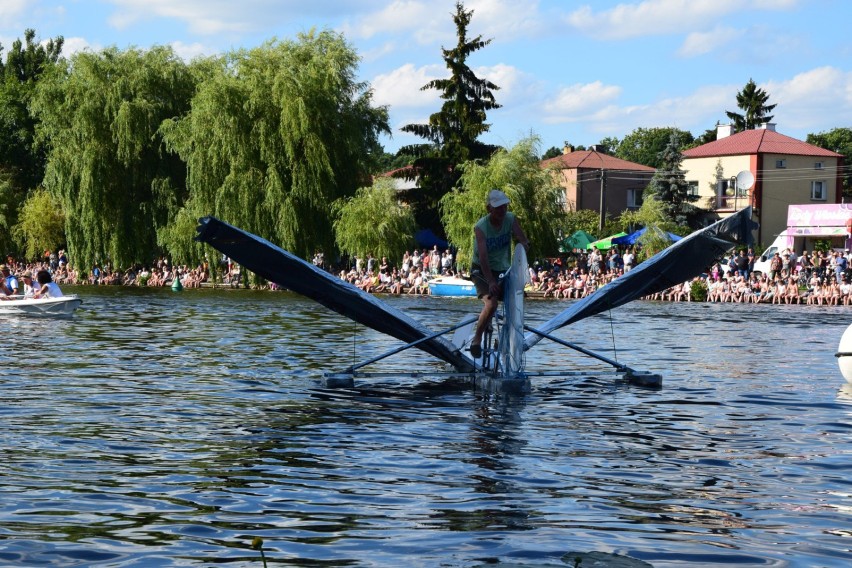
(62, 306)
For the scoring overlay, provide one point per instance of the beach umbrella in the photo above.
(606, 242)
(579, 240)
(633, 237)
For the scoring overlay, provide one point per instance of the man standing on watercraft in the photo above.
(492, 239)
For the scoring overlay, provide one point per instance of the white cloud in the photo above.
(815, 100)
(401, 87)
(73, 45)
(700, 43)
(10, 10)
(430, 22)
(377, 53)
(505, 20)
(189, 51)
(662, 17)
(210, 17)
(594, 107)
(400, 17)
(574, 102)
(516, 87)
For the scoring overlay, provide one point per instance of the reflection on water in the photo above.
(161, 428)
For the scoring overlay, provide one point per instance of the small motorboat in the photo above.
(451, 286)
(62, 306)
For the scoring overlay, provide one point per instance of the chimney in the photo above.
(768, 126)
(599, 148)
(724, 130)
(567, 149)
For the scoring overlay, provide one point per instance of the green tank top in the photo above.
(498, 242)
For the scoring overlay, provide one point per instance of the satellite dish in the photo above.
(745, 179)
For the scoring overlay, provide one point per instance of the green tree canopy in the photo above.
(837, 140)
(375, 222)
(652, 214)
(22, 161)
(25, 63)
(41, 225)
(551, 152)
(645, 145)
(587, 220)
(534, 192)
(107, 166)
(609, 144)
(752, 101)
(276, 134)
(452, 134)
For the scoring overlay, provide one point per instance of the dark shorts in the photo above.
(481, 283)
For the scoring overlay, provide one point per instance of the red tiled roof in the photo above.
(399, 172)
(759, 141)
(589, 159)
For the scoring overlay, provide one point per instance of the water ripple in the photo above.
(171, 429)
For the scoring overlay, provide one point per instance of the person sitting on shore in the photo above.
(792, 291)
(780, 291)
(845, 291)
(48, 288)
(833, 296)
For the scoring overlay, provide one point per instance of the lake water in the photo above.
(159, 428)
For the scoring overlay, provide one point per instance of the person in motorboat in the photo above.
(47, 287)
(10, 283)
(491, 258)
(30, 287)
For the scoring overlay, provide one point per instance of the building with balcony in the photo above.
(786, 171)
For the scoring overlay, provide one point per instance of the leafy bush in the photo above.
(698, 289)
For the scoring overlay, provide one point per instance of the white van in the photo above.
(782, 241)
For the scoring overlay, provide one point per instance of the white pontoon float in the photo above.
(19, 305)
(501, 366)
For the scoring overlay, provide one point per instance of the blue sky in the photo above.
(568, 70)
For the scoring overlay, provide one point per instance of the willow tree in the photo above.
(41, 225)
(107, 166)
(534, 193)
(374, 221)
(276, 134)
(654, 216)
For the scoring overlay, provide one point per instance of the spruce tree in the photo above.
(452, 134)
(752, 101)
(670, 187)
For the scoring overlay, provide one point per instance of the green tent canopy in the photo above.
(605, 243)
(579, 240)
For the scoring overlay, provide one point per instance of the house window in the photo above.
(634, 198)
(780, 164)
(817, 165)
(692, 189)
(818, 192)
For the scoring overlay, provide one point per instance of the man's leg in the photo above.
(488, 309)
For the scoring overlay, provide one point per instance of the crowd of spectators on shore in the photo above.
(818, 277)
(159, 274)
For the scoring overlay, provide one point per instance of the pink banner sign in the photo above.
(827, 215)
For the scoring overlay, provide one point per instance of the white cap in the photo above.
(496, 198)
